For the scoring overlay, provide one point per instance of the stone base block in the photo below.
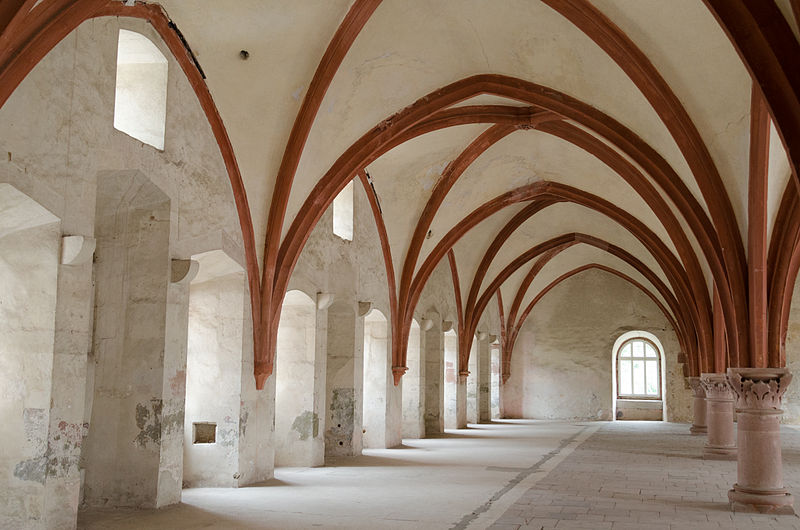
(778, 502)
(698, 429)
(719, 453)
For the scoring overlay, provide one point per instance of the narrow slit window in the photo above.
(140, 103)
(343, 213)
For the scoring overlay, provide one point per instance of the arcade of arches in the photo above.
(240, 240)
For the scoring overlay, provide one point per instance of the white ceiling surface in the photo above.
(259, 98)
(563, 218)
(778, 178)
(405, 176)
(409, 48)
(577, 256)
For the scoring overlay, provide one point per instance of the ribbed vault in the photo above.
(524, 142)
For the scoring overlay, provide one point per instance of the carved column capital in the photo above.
(759, 389)
(716, 387)
(697, 389)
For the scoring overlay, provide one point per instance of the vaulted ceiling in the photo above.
(530, 138)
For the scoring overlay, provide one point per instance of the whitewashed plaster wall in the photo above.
(298, 372)
(214, 380)
(353, 272)
(791, 399)
(561, 366)
(28, 276)
(378, 431)
(57, 136)
(414, 384)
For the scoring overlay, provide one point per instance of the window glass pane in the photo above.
(638, 348)
(638, 378)
(649, 351)
(625, 382)
(625, 351)
(652, 377)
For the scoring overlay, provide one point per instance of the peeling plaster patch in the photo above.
(342, 409)
(173, 422)
(148, 420)
(306, 424)
(63, 454)
(35, 425)
(33, 469)
(343, 405)
(243, 417)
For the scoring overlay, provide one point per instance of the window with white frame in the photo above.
(638, 370)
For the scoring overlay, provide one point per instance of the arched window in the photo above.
(638, 370)
(140, 104)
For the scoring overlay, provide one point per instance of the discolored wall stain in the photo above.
(306, 425)
(33, 469)
(148, 420)
(342, 418)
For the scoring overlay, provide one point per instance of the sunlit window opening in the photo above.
(343, 213)
(638, 366)
(140, 105)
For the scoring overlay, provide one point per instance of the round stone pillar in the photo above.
(759, 484)
(699, 418)
(721, 442)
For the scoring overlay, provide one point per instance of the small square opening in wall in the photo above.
(204, 433)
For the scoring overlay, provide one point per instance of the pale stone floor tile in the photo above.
(634, 475)
(648, 475)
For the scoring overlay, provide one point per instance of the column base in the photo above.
(778, 502)
(719, 453)
(698, 429)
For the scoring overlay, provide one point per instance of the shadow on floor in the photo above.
(177, 517)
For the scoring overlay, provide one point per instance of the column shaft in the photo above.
(759, 485)
(699, 425)
(721, 442)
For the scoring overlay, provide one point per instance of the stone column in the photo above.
(759, 484)
(721, 442)
(699, 419)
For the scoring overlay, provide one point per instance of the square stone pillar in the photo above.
(434, 386)
(67, 427)
(759, 477)
(484, 382)
(461, 401)
(721, 442)
(699, 417)
(473, 382)
(343, 381)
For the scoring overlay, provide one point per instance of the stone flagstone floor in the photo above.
(506, 475)
(644, 475)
